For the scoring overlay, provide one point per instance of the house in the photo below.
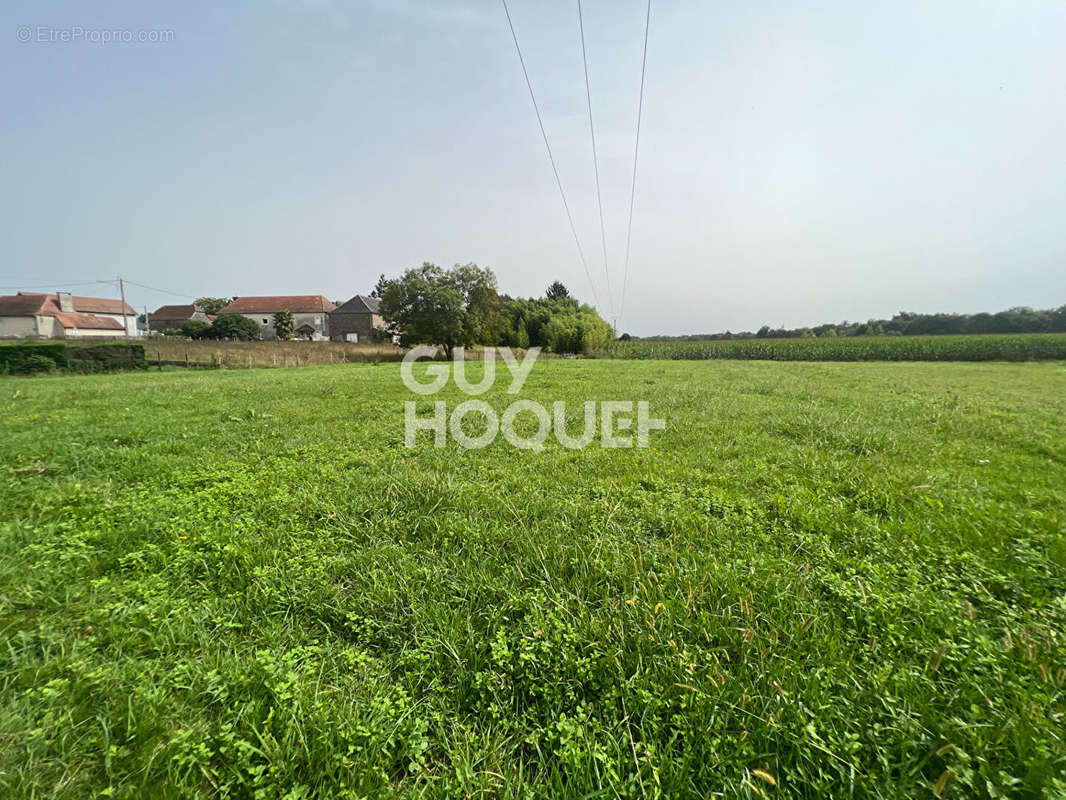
(358, 320)
(309, 311)
(171, 318)
(33, 315)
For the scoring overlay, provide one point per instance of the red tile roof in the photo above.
(88, 322)
(101, 305)
(175, 312)
(30, 304)
(27, 305)
(297, 303)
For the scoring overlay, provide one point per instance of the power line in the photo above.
(51, 285)
(595, 160)
(155, 289)
(551, 158)
(636, 150)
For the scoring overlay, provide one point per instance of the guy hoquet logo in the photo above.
(616, 417)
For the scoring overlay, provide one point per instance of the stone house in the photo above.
(309, 311)
(357, 320)
(34, 315)
(172, 317)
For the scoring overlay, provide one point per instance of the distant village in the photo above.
(62, 315)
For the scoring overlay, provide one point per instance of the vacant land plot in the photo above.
(841, 580)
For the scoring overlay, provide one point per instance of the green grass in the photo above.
(993, 347)
(848, 579)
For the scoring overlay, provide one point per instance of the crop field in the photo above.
(995, 347)
(820, 580)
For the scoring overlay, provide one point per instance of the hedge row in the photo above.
(25, 358)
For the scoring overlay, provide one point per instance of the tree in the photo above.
(451, 308)
(484, 322)
(233, 326)
(557, 291)
(195, 329)
(211, 305)
(521, 337)
(284, 325)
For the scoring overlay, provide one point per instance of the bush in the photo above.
(36, 357)
(39, 363)
(105, 357)
(195, 329)
(233, 326)
(23, 359)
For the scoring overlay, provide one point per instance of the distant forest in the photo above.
(906, 323)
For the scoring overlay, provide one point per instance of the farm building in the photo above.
(358, 320)
(171, 318)
(34, 315)
(309, 311)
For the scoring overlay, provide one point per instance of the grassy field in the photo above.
(239, 355)
(993, 347)
(822, 579)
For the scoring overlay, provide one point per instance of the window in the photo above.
(318, 319)
(266, 321)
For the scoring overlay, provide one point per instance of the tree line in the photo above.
(462, 307)
(906, 323)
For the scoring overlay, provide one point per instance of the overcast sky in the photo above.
(800, 162)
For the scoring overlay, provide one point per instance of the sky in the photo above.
(799, 162)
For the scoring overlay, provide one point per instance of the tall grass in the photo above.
(821, 581)
(1005, 347)
(236, 355)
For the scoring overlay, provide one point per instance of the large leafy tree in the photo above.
(234, 326)
(212, 305)
(284, 325)
(450, 308)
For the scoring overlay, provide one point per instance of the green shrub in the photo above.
(34, 357)
(39, 363)
(28, 357)
(233, 326)
(196, 329)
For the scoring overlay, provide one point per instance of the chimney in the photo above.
(66, 302)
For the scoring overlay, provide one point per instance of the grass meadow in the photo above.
(821, 580)
(239, 355)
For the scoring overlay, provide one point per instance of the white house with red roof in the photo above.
(310, 314)
(34, 315)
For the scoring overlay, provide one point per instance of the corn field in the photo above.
(996, 347)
